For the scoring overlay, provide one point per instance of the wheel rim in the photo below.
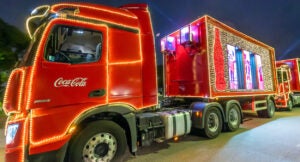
(213, 122)
(233, 117)
(101, 147)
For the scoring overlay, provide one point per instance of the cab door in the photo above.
(283, 77)
(73, 65)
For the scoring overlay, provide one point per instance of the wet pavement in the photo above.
(258, 139)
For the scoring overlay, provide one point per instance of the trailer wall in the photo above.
(209, 59)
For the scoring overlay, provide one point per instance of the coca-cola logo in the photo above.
(76, 82)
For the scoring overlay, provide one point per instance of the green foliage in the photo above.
(3, 79)
(3, 76)
(12, 43)
(7, 59)
(1, 109)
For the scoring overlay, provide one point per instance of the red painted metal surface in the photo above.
(57, 93)
(198, 67)
(291, 84)
(295, 71)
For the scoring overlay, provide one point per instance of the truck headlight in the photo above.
(11, 133)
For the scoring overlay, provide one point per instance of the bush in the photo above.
(1, 109)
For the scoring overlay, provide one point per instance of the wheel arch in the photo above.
(121, 114)
(202, 107)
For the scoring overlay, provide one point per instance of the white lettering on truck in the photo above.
(76, 82)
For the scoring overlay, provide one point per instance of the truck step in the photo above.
(260, 105)
(260, 102)
(261, 108)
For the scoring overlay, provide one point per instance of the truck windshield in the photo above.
(73, 45)
(281, 76)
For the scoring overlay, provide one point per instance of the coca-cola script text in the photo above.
(76, 82)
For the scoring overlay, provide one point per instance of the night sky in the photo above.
(274, 22)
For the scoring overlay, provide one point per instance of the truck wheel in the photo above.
(290, 105)
(98, 141)
(269, 112)
(212, 123)
(270, 109)
(234, 118)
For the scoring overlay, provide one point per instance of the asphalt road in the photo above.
(258, 140)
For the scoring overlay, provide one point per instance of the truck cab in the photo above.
(283, 97)
(85, 63)
(288, 73)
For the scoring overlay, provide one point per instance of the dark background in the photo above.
(274, 22)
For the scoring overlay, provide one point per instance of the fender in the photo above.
(227, 108)
(199, 109)
(126, 111)
(121, 109)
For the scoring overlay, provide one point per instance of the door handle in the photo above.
(97, 93)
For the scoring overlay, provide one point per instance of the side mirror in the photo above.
(36, 18)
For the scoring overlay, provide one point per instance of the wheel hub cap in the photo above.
(213, 122)
(233, 117)
(100, 147)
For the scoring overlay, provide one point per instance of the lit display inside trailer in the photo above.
(244, 69)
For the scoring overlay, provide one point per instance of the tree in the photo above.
(12, 42)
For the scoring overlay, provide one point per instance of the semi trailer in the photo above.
(209, 61)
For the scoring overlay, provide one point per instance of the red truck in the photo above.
(288, 83)
(209, 61)
(86, 89)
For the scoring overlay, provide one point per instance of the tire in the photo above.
(234, 118)
(212, 123)
(98, 141)
(269, 112)
(270, 109)
(289, 105)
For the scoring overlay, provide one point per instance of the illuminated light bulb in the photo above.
(163, 44)
(57, 7)
(170, 39)
(185, 30)
(72, 129)
(199, 114)
(176, 138)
